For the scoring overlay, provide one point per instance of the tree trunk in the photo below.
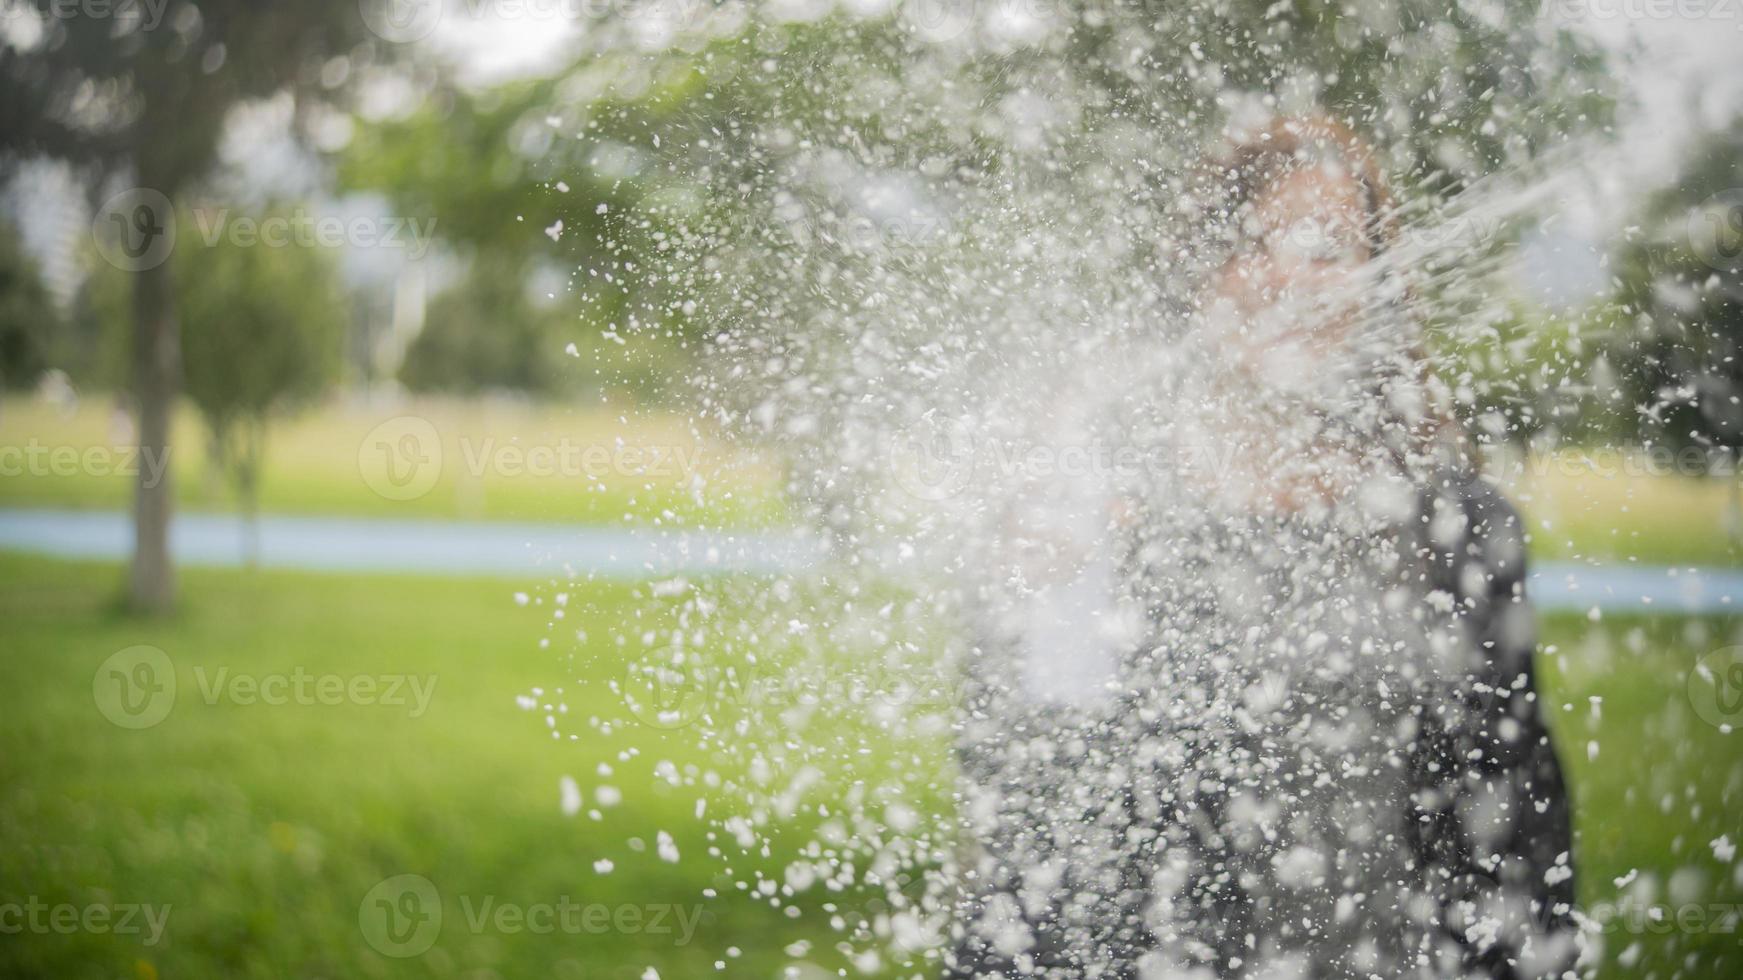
(157, 363)
(250, 452)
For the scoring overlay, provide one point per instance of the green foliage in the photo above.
(94, 345)
(1658, 361)
(485, 334)
(150, 94)
(1531, 376)
(140, 93)
(1457, 90)
(28, 318)
(489, 333)
(1680, 321)
(261, 326)
(500, 169)
(653, 162)
(261, 333)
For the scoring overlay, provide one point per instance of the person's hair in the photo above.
(1255, 160)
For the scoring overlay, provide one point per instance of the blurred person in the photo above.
(1326, 758)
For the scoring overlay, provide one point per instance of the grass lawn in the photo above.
(1653, 785)
(263, 826)
(1614, 513)
(426, 459)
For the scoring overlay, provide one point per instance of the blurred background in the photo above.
(346, 345)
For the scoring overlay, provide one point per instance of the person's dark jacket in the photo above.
(1487, 822)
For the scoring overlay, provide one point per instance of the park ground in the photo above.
(479, 460)
(262, 827)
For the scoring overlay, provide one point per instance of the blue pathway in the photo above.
(512, 549)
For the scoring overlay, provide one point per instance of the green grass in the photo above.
(1617, 513)
(1653, 784)
(487, 461)
(263, 826)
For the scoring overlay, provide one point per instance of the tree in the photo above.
(485, 334)
(129, 93)
(525, 194)
(262, 327)
(28, 317)
(1680, 335)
